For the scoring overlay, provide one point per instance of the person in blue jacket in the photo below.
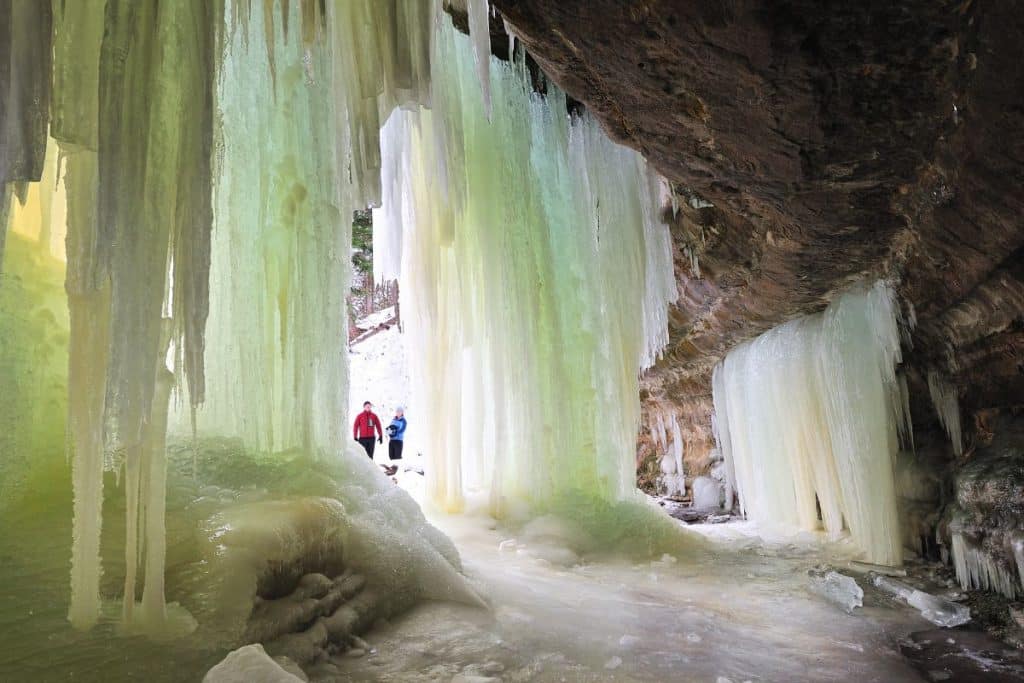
(396, 435)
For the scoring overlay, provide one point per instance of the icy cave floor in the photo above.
(739, 609)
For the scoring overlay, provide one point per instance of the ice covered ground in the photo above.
(741, 607)
(734, 614)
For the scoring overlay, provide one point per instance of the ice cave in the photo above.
(701, 323)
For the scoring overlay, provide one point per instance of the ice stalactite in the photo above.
(536, 273)
(977, 569)
(380, 55)
(25, 48)
(6, 194)
(947, 407)
(78, 35)
(25, 53)
(155, 128)
(479, 15)
(673, 475)
(132, 115)
(808, 415)
(720, 429)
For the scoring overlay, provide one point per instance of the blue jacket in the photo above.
(396, 430)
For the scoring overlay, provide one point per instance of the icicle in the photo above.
(720, 427)
(155, 99)
(88, 288)
(862, 338)
(660, 288)
(807, 417)
(977, 570)
(25, 53)
(480, 35)
(903, 425)
(381, 53)
(510, 32)
(291, 246)
(25, 50)
(78, 35)
(658, 431)
(672, 467)
(1017, 543)
(947, 407)
(6, 195)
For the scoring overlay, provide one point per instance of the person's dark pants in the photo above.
(395, 449)
(368, 444)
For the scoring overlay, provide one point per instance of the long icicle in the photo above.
(78, 36)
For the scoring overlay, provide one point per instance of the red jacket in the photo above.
(365, 424)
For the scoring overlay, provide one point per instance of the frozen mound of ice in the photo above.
(249, 664)
(303, 554)
(838, 588)
(707, 494)
(581, 527)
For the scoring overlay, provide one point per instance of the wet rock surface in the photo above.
(985, 522)
(963, 656)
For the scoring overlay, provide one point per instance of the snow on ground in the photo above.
(377, 318)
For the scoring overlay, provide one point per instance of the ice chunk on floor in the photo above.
(249, 664)
(893, 587)
(939, 611)
(838, 588)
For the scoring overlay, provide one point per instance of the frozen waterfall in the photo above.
(809, 415)
(535, 276)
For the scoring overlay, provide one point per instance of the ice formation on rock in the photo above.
(947, 407)
(536, 275)
(977, 569)
(808, 416)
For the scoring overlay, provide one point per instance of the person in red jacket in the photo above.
(363, 429)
